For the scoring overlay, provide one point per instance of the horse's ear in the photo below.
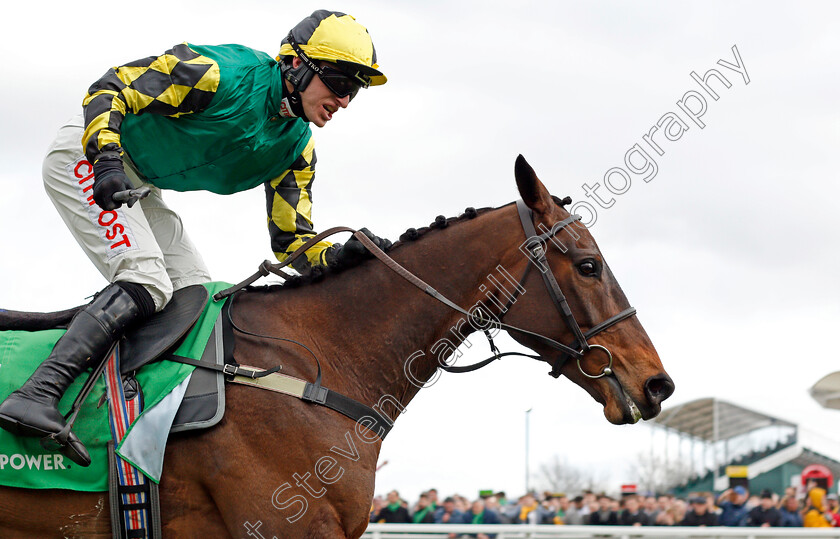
(531, 189)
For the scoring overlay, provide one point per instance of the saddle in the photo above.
(153, 340)
(204, 404)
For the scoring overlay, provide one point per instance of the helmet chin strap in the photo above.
(299, 77)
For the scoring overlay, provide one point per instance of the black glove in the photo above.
(109, 178)
(354, 251)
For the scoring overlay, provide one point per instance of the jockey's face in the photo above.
(319, 103)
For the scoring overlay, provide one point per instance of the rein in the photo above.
(576, 350)
(372, 419)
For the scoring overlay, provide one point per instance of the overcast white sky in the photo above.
(730, 253)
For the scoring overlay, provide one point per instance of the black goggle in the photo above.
(338, 82)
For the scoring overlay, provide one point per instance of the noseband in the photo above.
(579, 348)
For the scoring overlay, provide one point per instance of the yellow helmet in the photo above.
(337, 38)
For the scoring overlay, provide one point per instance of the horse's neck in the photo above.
(380, 338)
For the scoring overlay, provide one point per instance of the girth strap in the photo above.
(228, 369)
(358, 412)
(309, 392)
(271, 380)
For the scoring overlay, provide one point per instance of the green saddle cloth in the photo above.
(24, 463)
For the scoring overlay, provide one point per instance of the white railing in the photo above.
(520, 531)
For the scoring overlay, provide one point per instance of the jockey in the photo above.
(215, 118)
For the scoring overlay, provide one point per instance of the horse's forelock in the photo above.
(562, 202)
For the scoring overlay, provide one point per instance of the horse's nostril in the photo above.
(658, 388)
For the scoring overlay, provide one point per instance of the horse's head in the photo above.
(617, 364)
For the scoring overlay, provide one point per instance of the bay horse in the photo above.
(278, 467)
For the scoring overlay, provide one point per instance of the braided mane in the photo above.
(319, 273)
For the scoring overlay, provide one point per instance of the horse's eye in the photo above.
(588, 267)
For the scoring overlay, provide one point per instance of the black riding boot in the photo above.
(32, 410)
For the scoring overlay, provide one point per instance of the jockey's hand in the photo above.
(354, 251)
(109, 178)
(382, 243)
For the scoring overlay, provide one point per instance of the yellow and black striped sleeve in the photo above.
(180, 81)
(289, 206)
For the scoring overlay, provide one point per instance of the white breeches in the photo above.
(145, 244)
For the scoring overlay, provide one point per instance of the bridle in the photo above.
(580, 346)
(534, 242)
(314, 392)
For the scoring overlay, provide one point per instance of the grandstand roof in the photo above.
(827, 391)
(713, 419)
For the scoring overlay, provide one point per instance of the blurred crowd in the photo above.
(733, 507)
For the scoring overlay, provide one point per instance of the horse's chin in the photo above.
(621, 409)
